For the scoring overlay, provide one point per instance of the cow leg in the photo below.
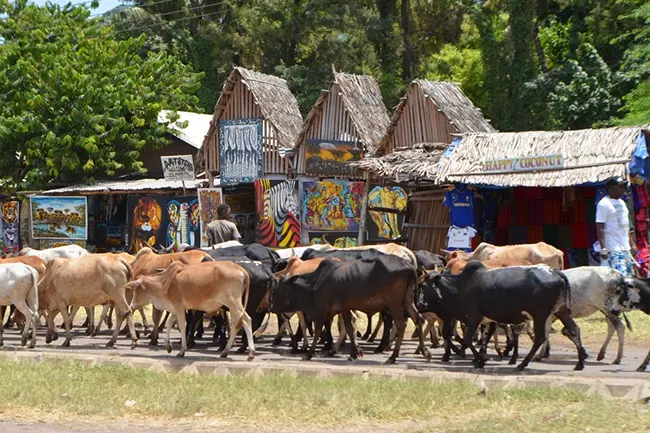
(613, 323)
(282, 323)
(21, 305)
(145, 324)
(342, 334)
(355, 352)
(49, 336)
(419, 321)
(67, 322)
(470, 331)
(182, 328)
(90, 320)
(192, 318)
(541, 335)
(72, 313)
(385, 338)
(109, 318)
(400, 324)
(156, 314)
(572, 332)
(373, 337)
(2, 328)
(486, 335)
(302, 321)
(644, 364)
(319, 322)
(168, 335)
(515, 345)
(366, 334)
(102, 317)
(12, 309)
(545, 350)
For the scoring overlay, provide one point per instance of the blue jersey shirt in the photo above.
(460, 199)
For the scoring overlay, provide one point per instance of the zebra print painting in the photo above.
(277, 213)
(240, 151)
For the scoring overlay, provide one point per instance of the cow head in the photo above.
(635, 295)
(428, 293)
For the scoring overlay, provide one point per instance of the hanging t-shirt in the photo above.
(460, 238)
(460, 199)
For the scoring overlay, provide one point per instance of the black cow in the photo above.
(261, 282)
(429, 261)
(368, 285)
(510, 296)
(641, 302)
(255, 252)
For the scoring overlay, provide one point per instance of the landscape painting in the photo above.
(59, 217)
(332, 157)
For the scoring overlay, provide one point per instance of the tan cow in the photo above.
(87, 281)
(539, 253)
(205, 287)
(147, 261)
(456, 266)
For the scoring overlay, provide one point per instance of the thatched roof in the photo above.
(590, 155)
(447, 97)
(362, 99)
(419, 162)
(272, 96)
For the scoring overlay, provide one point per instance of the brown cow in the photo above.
(147, 261)
(204, 287)
(87, 281)
(539, 253)
(456, 266)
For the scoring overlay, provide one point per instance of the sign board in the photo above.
(178, 167)
(524, 163)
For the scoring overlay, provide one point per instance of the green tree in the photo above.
(75, 103)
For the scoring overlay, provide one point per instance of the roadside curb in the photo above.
(634, 389)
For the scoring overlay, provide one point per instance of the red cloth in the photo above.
(552, 210)
(504, 218)
(526, 193)
(640, 223)
(589, 192)
(642, 194)
(552, 194)
(521, 213)
(535, 234)
(580, 212)
(566, 217)
(501, 237)
(580, 236)
(476, 240)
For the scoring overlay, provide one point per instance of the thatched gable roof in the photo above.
(362, 99)
(273, 97)
(590, 155)
(450, 100)
(418, 162)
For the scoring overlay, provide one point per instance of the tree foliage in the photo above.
(75, 103)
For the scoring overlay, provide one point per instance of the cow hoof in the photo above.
(241, 350)
(93, 334)
(641, 368)
(600, 357)
(435, 345)
(48, 340)
(276, 341)
(307, 357)
(353, 357)
(32, 345)
(378, 350)
(23, 342)
(66, 343)
(521, 367)
(444, 359)
(134, 344)
(538, 358)
(169, 348)
(137, 334)
(371, 340)
(417, 351)
(223, 355)
(250, 357)
(294, 350)
(180, 354)
(512, 362)
(153, 342)
(358, 334)
(56, 336)
(89, 331)
(390, 360)
(110, 344)
(616, 362)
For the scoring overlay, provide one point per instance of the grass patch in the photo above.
(594, 329)
(72, 390)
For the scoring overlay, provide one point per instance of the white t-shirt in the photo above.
(460, 237)
(614, 214)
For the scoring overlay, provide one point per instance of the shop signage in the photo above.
(524, 163)
(178, 167)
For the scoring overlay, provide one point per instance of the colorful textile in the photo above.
(580, 212)
(528, 193)
(643, 258)
(580, 236)
(460, 199)
(641, 192)
(621, 261)
(552, 210)
(565, 236)
(504, 218)
(640, 223)
(551, 235)
(552, 193)
(535, 234)
(521, 213)
(501, 237)
(518, 235)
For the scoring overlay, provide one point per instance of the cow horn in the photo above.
(149, 245)
(293, 252)
(326, 241)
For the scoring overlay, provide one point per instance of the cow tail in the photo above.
(247, 288)
(129, 270)
(35, 289)
(627, 322)
(567, 290)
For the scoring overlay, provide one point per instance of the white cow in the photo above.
(597, 288)
(19, 286)
(49, 254)
(285, 253)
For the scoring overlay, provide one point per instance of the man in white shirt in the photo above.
(617, 245)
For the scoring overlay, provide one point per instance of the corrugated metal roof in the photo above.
(126, 186)
(197, 126)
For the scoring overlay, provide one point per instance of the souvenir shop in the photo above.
(515, 200)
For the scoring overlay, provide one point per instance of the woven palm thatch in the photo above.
(272, 96)
(458, 108)
(590, 155)
(362, 101)
(418, 162)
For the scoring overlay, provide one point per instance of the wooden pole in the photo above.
(364, 208)
(184, 192)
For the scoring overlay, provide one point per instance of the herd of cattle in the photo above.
(490, 291)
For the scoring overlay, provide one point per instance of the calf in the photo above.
(539, 253)
(510, 296)
(205, 287)
(19, 286)
(88, 281)
(36, 263)
(386, 282)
